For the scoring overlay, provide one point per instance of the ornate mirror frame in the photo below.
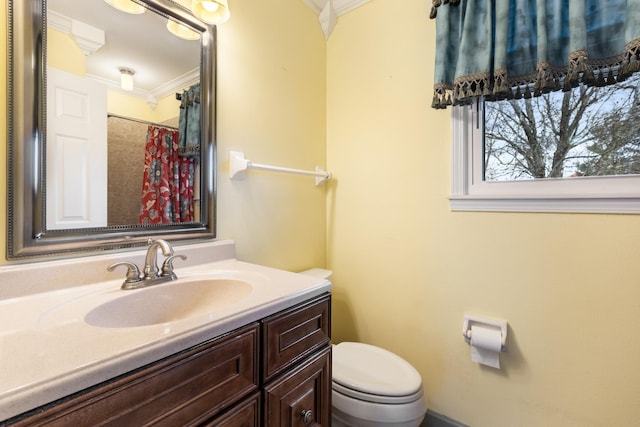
(27, 235)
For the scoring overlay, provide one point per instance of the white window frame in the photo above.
(469, 192)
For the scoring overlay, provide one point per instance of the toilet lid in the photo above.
(373, 370)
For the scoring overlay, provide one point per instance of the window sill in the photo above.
(591, 204)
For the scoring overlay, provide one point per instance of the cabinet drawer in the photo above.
(294, 334)
(301, 398)
(184, 389)
(244, 414)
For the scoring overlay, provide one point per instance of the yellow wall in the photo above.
(271, 106)
(64, 54)
(123, 104)
(407, 269)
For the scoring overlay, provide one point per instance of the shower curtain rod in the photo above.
(145, 122)
(238, 165)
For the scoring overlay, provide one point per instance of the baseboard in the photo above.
(436, 420)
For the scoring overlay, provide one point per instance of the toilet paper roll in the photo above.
(486, 343)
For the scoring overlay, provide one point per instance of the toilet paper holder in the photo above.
(469, 321)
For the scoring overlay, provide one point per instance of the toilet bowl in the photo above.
(374, 387)
(371, 386)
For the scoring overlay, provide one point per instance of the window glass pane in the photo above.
(589, 131)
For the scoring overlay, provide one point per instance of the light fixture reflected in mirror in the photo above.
(181, 31)
(211, 11)
(126, 6)
(126, 78)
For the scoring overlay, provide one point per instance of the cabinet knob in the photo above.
(307, 416)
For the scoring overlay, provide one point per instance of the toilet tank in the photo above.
(318, 272)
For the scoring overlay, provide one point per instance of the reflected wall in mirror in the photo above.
(94, 164)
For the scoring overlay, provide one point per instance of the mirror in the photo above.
(66, 140)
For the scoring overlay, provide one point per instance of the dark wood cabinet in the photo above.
(182, 390)
(292, 335)
(301, 397)
(296, 366)
(244, 414)
(276, 372)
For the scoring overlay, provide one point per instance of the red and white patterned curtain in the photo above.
(167, 187)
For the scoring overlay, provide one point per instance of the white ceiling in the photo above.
(139, 42)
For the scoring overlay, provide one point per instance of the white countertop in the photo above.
(48, 351)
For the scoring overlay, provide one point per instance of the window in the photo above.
(576, 151)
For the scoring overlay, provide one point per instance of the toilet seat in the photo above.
(376, 398)
(374, 374)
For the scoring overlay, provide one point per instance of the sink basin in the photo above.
(168, 302)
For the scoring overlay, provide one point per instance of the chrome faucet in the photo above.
(151, 275)
(150, 270)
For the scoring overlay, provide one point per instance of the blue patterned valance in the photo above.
(189, 122)
(503, 49)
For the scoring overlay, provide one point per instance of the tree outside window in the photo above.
(587, 131)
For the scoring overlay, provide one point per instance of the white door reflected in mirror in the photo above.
(76, 171)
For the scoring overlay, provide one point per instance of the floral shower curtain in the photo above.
(167, 188)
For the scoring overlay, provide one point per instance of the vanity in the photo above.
(256, 357)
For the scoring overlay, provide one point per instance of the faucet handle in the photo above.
(133, 273)
(167, 266)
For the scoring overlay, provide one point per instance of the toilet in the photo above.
(373, 387)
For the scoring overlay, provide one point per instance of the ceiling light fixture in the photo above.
(126, 78)
(211, 11)
(126, 6)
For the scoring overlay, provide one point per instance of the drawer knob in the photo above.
(307, 416)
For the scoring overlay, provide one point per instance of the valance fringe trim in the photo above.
(189, 151)
(580, 70)
(631, 62)
(435, 4)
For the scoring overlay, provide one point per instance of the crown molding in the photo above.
(88, 38)
(329, 10)
(341, 6)
(152, 96)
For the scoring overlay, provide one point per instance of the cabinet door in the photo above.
(303, 396)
